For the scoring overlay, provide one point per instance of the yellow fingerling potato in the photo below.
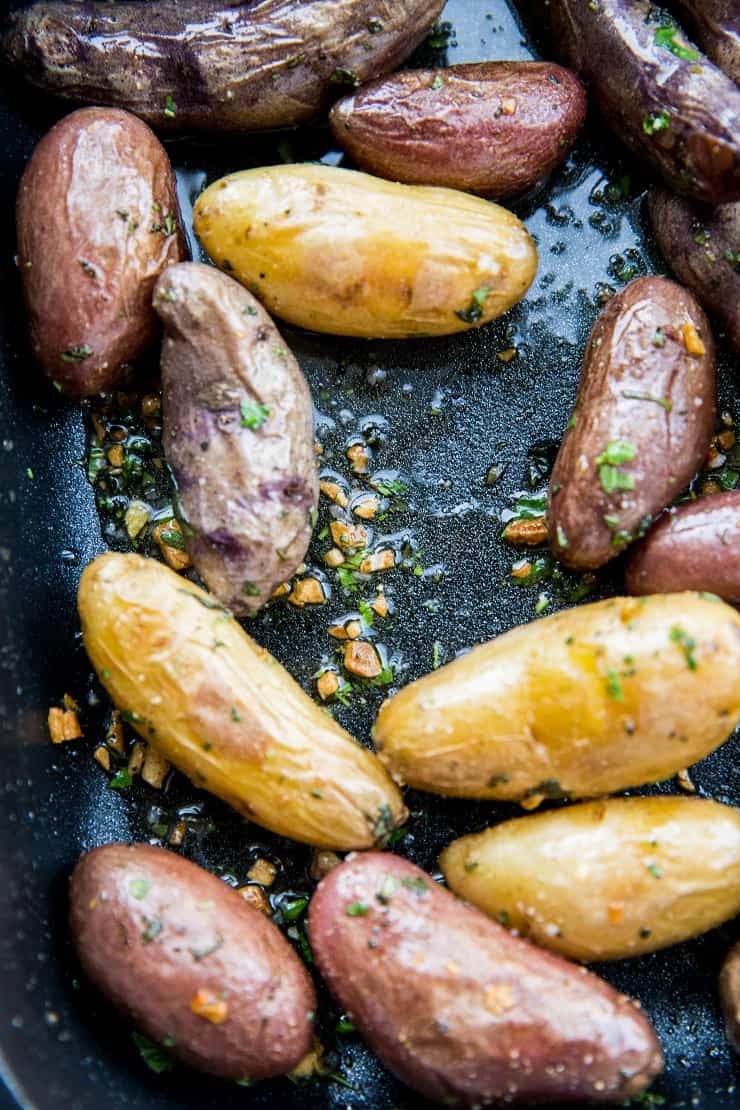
(605, 880)
(224, 711)
(343, 252)
(586, 702)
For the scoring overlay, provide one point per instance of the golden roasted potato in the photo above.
(225, 712)
(342, 252)
(582, 703)
(608, 879)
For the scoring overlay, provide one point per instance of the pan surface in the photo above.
(441, 413)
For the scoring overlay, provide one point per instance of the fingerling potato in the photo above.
(697, 547)
(97, 221)
(237, 433)
(642, 422)
(230, 66)
(461, 1010)
(729, 990)
(702, 247)
(586, 702)
(342, 252)
(190, 962)
(225, 712)
(655, 89)
(605, 880)
(494, 128)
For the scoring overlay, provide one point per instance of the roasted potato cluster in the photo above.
(585, 703)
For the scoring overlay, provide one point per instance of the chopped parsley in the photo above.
(654, 122)
(614, 685)
(156, 1058)
(357, 909)
(654, 870)
(253, 414)
(664, 404)
(610, 461)
(76, 354)
(139, 888)
(665, 36)
(170, 108)
(173, 538)
(121, 780)
(687, 643)
(345, 1026)
(417, 884)
(153, 928)
(475, 310)
(201, 953)
(250, 589)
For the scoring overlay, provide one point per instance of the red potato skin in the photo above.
(87, 251)
(697, 547)
(670, 433)
(460, 1009)
(729, 992)
(699, 244)
(270, 997)
(493, 128)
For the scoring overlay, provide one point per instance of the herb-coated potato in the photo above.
(494, 128)
(655, 89)
(461, 1010)
(607, 879)
(695, 547)
(729, 989)
(228, 66)
(225, 712)
(585, 702)
(702, 247)
(342, 252)
(716, 27)
(97, 222)
(237, 434)
(642, 422)
(190, 962)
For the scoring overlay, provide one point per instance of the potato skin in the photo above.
(405, 260)
(222, 350)
(585, 702)
(458, 1008)
(88, 251)
(729, 992)
(659, 399)
(226, 66)
(225, 712)
(605, 880)
(697, 547)
(716, 26)
(637, 82)
(493, 128)
(152, 929)
(702, 247)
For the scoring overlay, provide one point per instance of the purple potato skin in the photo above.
(460, 1009)
(695, 547)
(702, 247)
(640, 386)
(97, 221)
(459, 134)
(205, 64)
(729, 992)
(715, 24)
(682, 115)
(238, 436)
(152, 929)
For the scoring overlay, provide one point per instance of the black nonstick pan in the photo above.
(467, 431)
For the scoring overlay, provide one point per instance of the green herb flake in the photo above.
(342, 76)
(345, 1026)
(614, 685)
(561, 536)
(385, 892)
(76, 354)
(374, 26)
(250, 589)
(205, 602)
(253, 414)
(417, 884)
(357, 909)
(654, 870)
(199, 954)
(172, 538)
(155, 1056)
(383, 825)
(475, 310)
(687, 643)
(655, 122)
(659, 338)
(665, 36)
(437, 83)
(170, 108)
(471, 865)
(138, 888)
(664, 404)
(503, 918)
(366, 611)
(29, 473)
(235, 714)
(153, 928)
(121, 780)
